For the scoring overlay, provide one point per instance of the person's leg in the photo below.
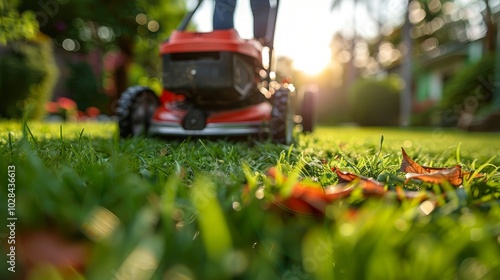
(260, 10)
(224, 14)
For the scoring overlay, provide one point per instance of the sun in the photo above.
(311, 62)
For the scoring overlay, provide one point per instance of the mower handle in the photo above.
(273, 14)
(187, 18)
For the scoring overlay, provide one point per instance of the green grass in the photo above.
(193, 209)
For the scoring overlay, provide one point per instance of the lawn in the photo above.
(89, 205)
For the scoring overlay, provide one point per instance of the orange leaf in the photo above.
(410, 166)
(345, 176)
(452, 175)
(304, 199)
(373, 188)
(338, 191)
(314, 198)
(343, 190)
(369, 186)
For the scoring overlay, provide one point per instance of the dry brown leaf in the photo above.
(339, 191)
(370, 186)
(304, 199)
(451, 175)
(410, 166)
(438, 175)
(345, 176)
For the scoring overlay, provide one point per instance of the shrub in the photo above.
(85, 88)
(375, 102)
(468, 91)
(27, 77)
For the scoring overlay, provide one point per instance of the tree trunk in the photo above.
(405, 100)
(491, 32)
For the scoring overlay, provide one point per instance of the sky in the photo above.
(303, 31)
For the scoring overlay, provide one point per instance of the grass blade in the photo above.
(10, 143)
(216, 239)
(459, 160)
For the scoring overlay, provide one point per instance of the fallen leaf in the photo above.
(410, 166)
(438, 175)
(339, 191)
(453, 176)
(313, 200)
(345, 176)
(304, 199)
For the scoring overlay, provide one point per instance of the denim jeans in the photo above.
(224, 15)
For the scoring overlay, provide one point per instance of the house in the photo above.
(437, 66)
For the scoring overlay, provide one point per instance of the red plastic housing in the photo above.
(216, 70)
(216, 41)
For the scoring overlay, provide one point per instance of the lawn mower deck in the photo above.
(176, 119)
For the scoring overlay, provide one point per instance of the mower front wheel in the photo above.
(281, 123)
(134, 110)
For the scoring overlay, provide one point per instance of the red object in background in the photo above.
(52, 107)
(66, 103)
(92, 112)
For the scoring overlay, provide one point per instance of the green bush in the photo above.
(468, 91)
(427, 117)
(84, 88)
(375, 102)
(15, 26)
(27, 77)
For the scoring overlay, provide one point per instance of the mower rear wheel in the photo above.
(135, 109)
(308, 111)
(281, 123)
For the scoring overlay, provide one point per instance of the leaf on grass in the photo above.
(310, 200)
(345, 176)
(369, 186)
(451, 175)
(307, 200)
(438, 175)
(339, 191)
(410, 166)
(304, 198)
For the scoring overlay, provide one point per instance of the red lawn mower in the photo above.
(215, 84)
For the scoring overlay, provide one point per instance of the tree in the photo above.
(406, 95)
(420, 28)
(130, 27)
(351, 70)
(379, 18)
(27, 67)
(15, 26)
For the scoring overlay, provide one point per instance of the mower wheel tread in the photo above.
(125, 107)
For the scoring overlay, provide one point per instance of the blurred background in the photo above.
(373, 63)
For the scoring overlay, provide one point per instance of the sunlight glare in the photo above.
(312, 60)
